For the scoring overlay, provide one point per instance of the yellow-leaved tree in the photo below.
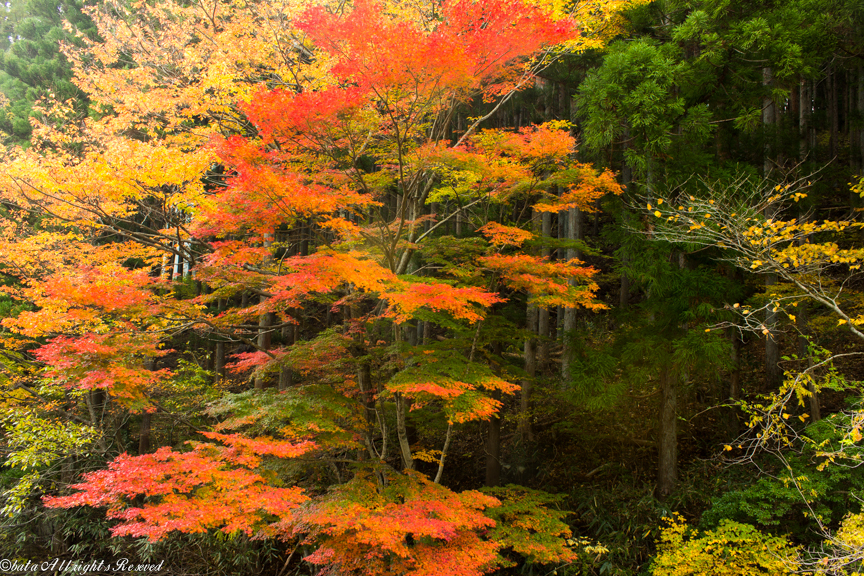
(732, 549)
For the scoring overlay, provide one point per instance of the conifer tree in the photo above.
(32, 65)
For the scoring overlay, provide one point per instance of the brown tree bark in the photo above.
(144, 434)
(286, 375)
(530, 350)
(543, 313)
(264, 341)
(802, 322)
(769, 119)
(859, 132)
(667, 441)
(402, 432)
(805, 113)
(530, 357)
(734, 382)
(574, 232)
(493, 450)
(804, 354)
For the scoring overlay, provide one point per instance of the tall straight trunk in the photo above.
(493, 449)
(402, 432)
(561, 218)
(734, 381)
(859, 140)
(624, 292)
(219, 361)
(667, 441)
(364, 382)
(773, 373)
(833, 112)
(847, 104)
(99, 397)
(530, 354)
(401, 412)
(802, 322)
(176, 270)
(264, 323)
(286, 378)
(543, 313)
(804, 354)
(563, 101)
(144, 433)
(303, 248)
(286, 375)
(626, 177)
(530, 372)
(434, 209)
(574, 232)
(769, 118)
(793, 109)
(805, 113)
(186, 262)
(144, 430)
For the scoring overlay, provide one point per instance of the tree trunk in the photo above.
(543, 314)
(219, 360)
(734, 382)
(626, 177)
(804, 354)
(803, 345)
(286, 375)
(402, 433)
(859, 140)
(772, 349)
(144, 434)
(264, 323)
(286, 378)
(289, 338)
(768, 120)
(667, 442)
(561, 219)
(493, 450)
(530, 372)
(833, 112)
(805, 111)
(624, 293)
(574, 232)
(530, 350)
(773, 374)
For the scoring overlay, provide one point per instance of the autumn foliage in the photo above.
(346, 142)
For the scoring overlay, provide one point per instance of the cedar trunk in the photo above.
(667, 442)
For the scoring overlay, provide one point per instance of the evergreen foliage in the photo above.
(32, 64)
